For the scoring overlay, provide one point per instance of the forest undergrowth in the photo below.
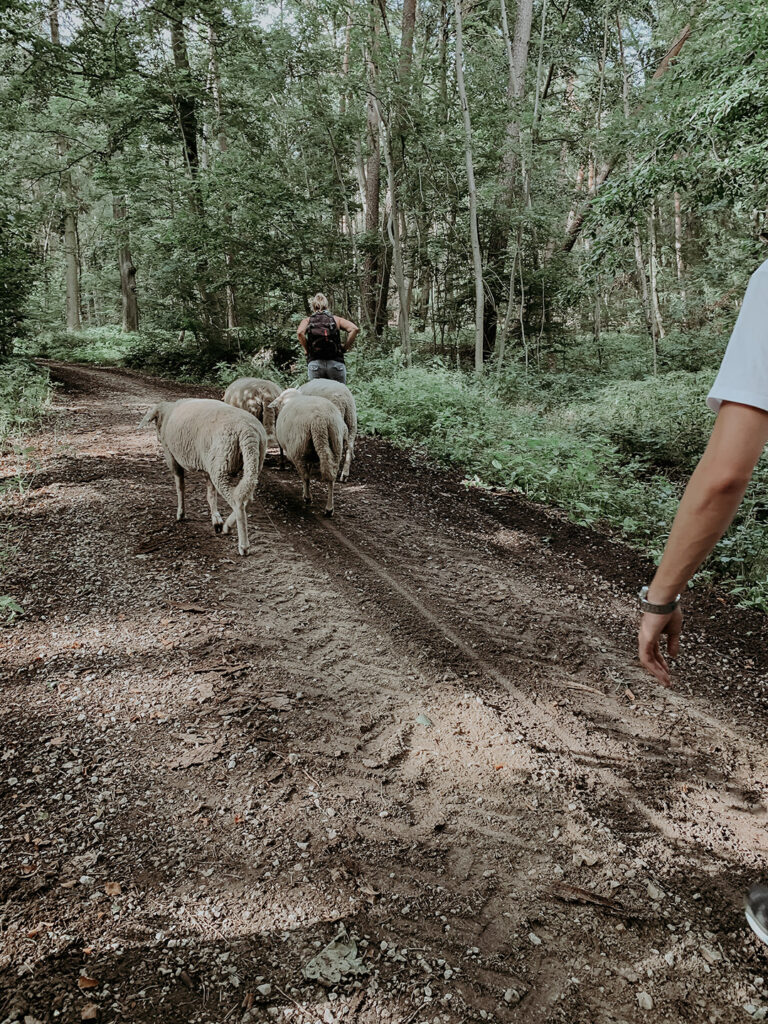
(613, 452)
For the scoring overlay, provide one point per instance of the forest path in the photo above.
(245, 746)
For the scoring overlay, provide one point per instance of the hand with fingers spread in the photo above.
(652, 628)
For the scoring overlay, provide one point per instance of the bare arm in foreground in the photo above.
(711, 499)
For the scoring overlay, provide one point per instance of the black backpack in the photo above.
(323, 338)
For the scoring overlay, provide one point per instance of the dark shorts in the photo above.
(327, 369)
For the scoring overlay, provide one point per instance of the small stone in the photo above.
(712, 956)
(264, 990)
(655, 894)
(644, 1001)
(534, 939)
(511, 996)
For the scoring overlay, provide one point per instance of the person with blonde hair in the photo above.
(320, 337)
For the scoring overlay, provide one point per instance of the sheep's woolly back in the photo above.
(253, 394)
(311, 427)
(204, 434)
(337, 393)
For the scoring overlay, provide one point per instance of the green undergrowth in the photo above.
(24, 395)
(618, 458)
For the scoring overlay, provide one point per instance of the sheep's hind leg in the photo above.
(213, 505)
(178, 479)
(329, 501)
(344, 475)
(239, 515)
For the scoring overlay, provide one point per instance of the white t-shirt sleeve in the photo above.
(743, 375)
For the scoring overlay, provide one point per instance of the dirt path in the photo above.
(419, 723)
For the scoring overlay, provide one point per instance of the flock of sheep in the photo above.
(227, 440)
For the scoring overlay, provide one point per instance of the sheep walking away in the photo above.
(344, 401)
(254, 394)
(225, 443)
(312, 434)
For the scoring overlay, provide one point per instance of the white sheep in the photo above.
(312, 434)
(344, 401)
(224, 443)
(254, 394)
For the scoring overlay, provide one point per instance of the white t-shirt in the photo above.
(743, 375)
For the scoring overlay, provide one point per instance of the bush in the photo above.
(662, 422)
(24, 394)
(105, 346)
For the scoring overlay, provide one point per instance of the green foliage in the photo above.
(604, 459)
(662, 422)
(24, 395)
(104, 346)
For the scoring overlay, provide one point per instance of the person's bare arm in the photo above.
(301, 333)
(352, 331)
(710, 502)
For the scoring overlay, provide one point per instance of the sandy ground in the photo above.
(416, 729)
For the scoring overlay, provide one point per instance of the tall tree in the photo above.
(477, 261)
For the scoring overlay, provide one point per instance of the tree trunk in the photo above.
(393, 228)
(679, 265)
(477, 262)
(127, 269)
(499, 235)
(372, 185)
(642, 279)
(186, 112)
(656, 306)
(223, 141)
(69, 218)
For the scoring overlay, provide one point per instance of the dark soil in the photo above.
(418, 727)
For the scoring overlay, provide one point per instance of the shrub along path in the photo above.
(417, 727)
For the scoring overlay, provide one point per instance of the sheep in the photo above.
(344, 401)
(254, 394)
(312, 434)
(222, 442)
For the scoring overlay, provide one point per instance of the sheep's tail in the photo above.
(328, 440)
(150, 416)
(252, 451)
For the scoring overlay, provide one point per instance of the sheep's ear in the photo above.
(150, 416)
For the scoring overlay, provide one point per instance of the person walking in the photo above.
(739, 396)
(320, 337)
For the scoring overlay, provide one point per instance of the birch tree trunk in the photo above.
(642, 278)
(679, 265)
(372, 184)
(654, 278)
(127, 269)
(477, 261)
(69, 218)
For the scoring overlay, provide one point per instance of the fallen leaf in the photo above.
(57, 741)
(85, 982)
(39, 929)
(90, 1012)
(628, 693)
(112, 888)
(27, 869)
